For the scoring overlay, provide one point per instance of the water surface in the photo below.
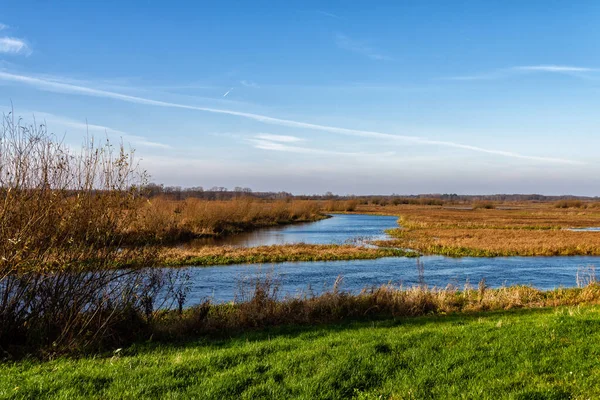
(221, 283)
(339, 229)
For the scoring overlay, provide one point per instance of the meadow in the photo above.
(523, 354)
(496, 229)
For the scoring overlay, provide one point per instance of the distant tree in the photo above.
(153, 189)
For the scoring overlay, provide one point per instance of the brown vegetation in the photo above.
(223, 255)
(62, 218)
(526, 229)
(161, 220)
(262, 306)
(340, 205)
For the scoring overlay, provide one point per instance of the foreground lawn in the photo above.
(527, 354)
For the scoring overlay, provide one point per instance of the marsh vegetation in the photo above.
(514, 229)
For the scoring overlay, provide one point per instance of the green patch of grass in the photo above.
(526, 354)
(314, 253)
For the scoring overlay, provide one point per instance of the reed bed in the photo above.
(260, 305)
(524, 229)
(161, 220)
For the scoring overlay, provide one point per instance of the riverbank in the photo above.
(544, 353)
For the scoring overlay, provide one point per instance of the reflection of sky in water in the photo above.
(340, 229)
(221, 283)
(590, 229)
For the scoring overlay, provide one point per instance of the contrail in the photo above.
(61, 87)
(227, 92)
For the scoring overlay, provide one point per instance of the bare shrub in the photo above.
(63, 215)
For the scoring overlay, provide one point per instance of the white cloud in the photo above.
(56, 86)
(250, 84)
(507, 72)
(3, 27)
(359, 47)
(275, 146)
(11, 45)
(278, 138)
(553, 68)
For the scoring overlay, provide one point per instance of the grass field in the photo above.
(525, 354)
(527, 229)
(224, 255)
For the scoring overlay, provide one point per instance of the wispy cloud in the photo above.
(359, 47)
(10, 45)
(329, 14)
(507, 72)
(3, 27)
(60, 87)
(553, 68)
(278, 138)
(277, 146)
(250, 84)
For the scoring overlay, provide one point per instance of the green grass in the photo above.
(269, 258)
(526, 354)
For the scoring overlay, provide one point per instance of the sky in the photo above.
(384, 97)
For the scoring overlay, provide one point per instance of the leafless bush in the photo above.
(63, 214)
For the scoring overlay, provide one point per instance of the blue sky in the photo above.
(307, 97)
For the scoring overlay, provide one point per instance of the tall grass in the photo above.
(340, 205)
(259, 305)
(163, 220)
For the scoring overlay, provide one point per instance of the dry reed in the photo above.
(262, 306)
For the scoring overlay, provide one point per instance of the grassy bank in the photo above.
(225, 255)
(525, 354)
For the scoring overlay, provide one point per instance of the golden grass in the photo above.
(163, 220)
(263, 307)
(526, 229)
(223, 255)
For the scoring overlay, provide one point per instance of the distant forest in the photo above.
(223, 193)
